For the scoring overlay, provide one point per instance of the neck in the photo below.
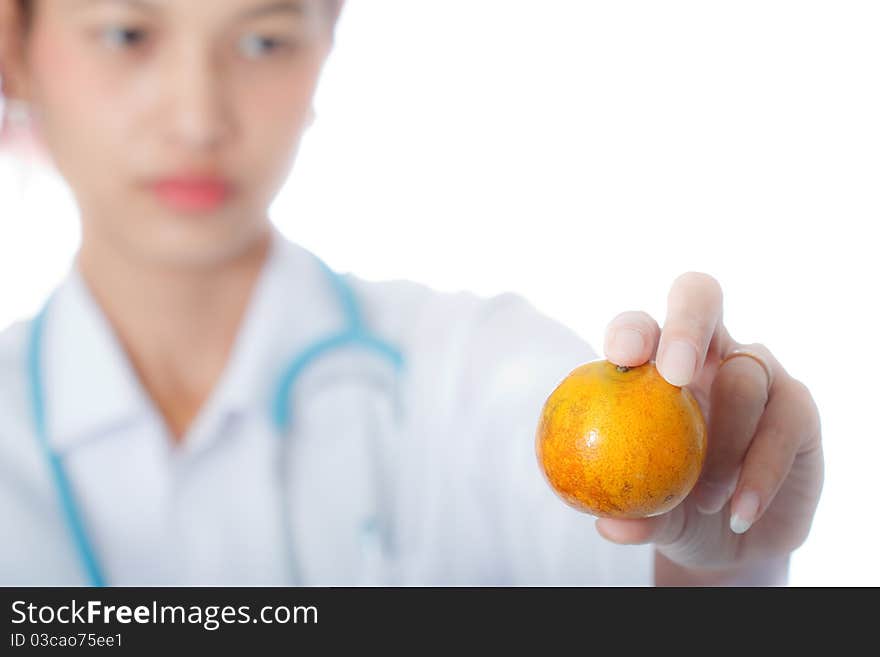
(177, 325)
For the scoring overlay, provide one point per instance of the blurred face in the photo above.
(175, 122)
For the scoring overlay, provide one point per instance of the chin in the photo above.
(198, 247)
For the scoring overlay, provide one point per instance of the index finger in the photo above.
(694, 309)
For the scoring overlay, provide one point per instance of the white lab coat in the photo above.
(440, 489)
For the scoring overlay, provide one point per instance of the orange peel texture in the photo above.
(620, 442)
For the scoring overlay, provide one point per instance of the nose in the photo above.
(198, 116)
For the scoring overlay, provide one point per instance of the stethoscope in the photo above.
(354, 333)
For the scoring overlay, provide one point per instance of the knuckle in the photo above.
(802, 535)
(758, 347)
(796, 537)
(800, 397)
(801, 394)
(806, 403)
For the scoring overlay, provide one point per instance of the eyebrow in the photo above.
(279, 7)
(140, 4)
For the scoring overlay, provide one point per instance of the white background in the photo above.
(584, 154)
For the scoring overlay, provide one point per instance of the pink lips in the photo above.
(192, 194)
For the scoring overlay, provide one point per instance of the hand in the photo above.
(763, 473)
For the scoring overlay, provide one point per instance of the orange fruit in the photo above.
(620, 442)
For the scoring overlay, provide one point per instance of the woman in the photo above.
(204, 402)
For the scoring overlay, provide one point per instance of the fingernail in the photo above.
(626, 343)
(711, 497)
(679, 363)
(744, 512)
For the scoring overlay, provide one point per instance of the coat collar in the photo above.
(91, 388)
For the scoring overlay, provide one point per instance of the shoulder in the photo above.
(409, 310)
(500, 341)
(397, 307)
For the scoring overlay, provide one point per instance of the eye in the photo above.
(255, 45)
(122, 37)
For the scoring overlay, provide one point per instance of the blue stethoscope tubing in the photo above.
(354, 333)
